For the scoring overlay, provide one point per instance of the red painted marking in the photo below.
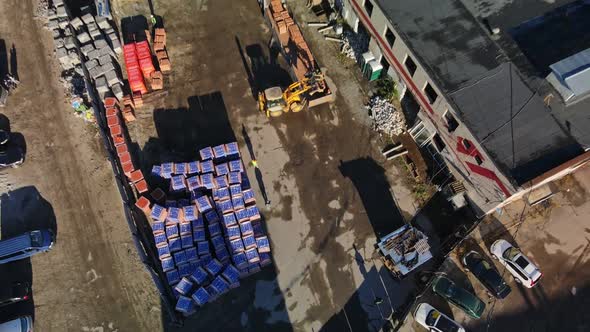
(490, 175)
(421, 98)
(472, 152)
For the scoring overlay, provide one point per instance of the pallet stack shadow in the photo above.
(211, 235)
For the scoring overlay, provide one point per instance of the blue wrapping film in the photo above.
(221, 169)
(214, 267)
(203, 248)
(160, 238)
(171, 231)
(252, 255)
(191, 254)
(179, 258)
(206, 153)
(235, 166)
(246, 228)
(236, 245)
(233, 232)
(199, 235)
(175, 244)
(207, 167)
(214, 229)
(249, 241)
(193, 167)
(173, 277)
(217, 241)
(185, 228)
(186, 241)
(184, 286)
(156, 170)
(201, 296)
(167, 264)
(163, 250)
(185, 304)
(199, 275)
(184, 270)
(212, 217)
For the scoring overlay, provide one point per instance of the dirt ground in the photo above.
(91, 280)
(330, 190)
(554, 235)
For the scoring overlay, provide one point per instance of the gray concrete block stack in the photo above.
(89, 42)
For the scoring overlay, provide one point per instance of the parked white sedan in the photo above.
(523, 270)
(434, 320)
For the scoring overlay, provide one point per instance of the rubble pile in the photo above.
(355, 44)
(42, 9)
(386, 118)
(85, 43)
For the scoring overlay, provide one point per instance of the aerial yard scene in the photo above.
(294, 165)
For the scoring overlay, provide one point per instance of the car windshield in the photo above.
(446, 325)
(510, 253)
(274, 103)
(431, 317)
(36, 238)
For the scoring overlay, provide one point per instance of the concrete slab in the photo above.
(83, 37)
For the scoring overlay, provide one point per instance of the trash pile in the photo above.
(386, 118)
(84, 42)
(207, 229)
(354, 44)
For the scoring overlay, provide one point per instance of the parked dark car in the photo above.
(14, 293)
(487, 274)
(458, 296)
(11, 155)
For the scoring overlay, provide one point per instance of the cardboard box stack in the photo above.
(212, 234)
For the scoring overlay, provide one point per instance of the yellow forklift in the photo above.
(274, 101)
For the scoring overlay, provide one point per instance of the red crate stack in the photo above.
(145, 58)
(134, 75)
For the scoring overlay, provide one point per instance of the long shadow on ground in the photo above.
(22, 210)
(258, 304)
(374, 190)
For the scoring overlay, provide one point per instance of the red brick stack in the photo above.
(134, 75)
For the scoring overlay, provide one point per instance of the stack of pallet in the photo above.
(211, 235)
(291, 38)
(134, 75)
(160, 49)
(116, 128)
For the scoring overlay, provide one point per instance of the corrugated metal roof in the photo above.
(571, 64)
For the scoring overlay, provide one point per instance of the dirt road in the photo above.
(92, 278)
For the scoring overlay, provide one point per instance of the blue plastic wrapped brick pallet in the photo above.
(213, 237)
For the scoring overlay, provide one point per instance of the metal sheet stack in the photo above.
(211, 235)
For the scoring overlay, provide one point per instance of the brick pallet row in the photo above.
(212, 236)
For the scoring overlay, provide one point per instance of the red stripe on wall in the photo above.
(421, 98)
(490, 175)
(472, 152)
(397, 64)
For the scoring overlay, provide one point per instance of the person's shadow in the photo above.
(257, 171)
(13, 63)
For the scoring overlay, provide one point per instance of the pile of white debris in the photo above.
(354, 45)
(386, 118)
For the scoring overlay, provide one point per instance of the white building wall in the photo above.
(483, 191)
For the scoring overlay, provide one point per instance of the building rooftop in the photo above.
(513, 124)
(445, 37)
(495, 84)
